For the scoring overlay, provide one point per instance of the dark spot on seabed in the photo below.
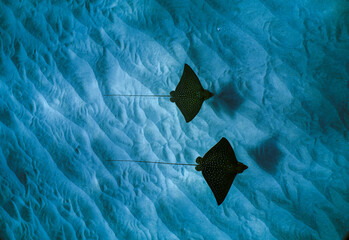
(228, 100)
(267, 155)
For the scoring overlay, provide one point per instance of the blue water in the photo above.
(280, 74)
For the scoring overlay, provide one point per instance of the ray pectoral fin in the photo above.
(219, 181)
(189, 107)
(189, 80)
(223, 152)
(224, 189)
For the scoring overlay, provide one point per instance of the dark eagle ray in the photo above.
(189, 95)
(219, 167)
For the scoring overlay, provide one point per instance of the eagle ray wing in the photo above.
(219, 181)
(189, 107)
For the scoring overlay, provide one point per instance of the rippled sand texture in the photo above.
(279, 71)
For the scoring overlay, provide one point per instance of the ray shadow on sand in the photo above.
(267, 155)
(227, 100)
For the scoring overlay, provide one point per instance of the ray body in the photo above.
(219, 167)
(189, 95)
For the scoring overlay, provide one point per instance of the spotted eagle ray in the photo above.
(189, 95)
(219, 167)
